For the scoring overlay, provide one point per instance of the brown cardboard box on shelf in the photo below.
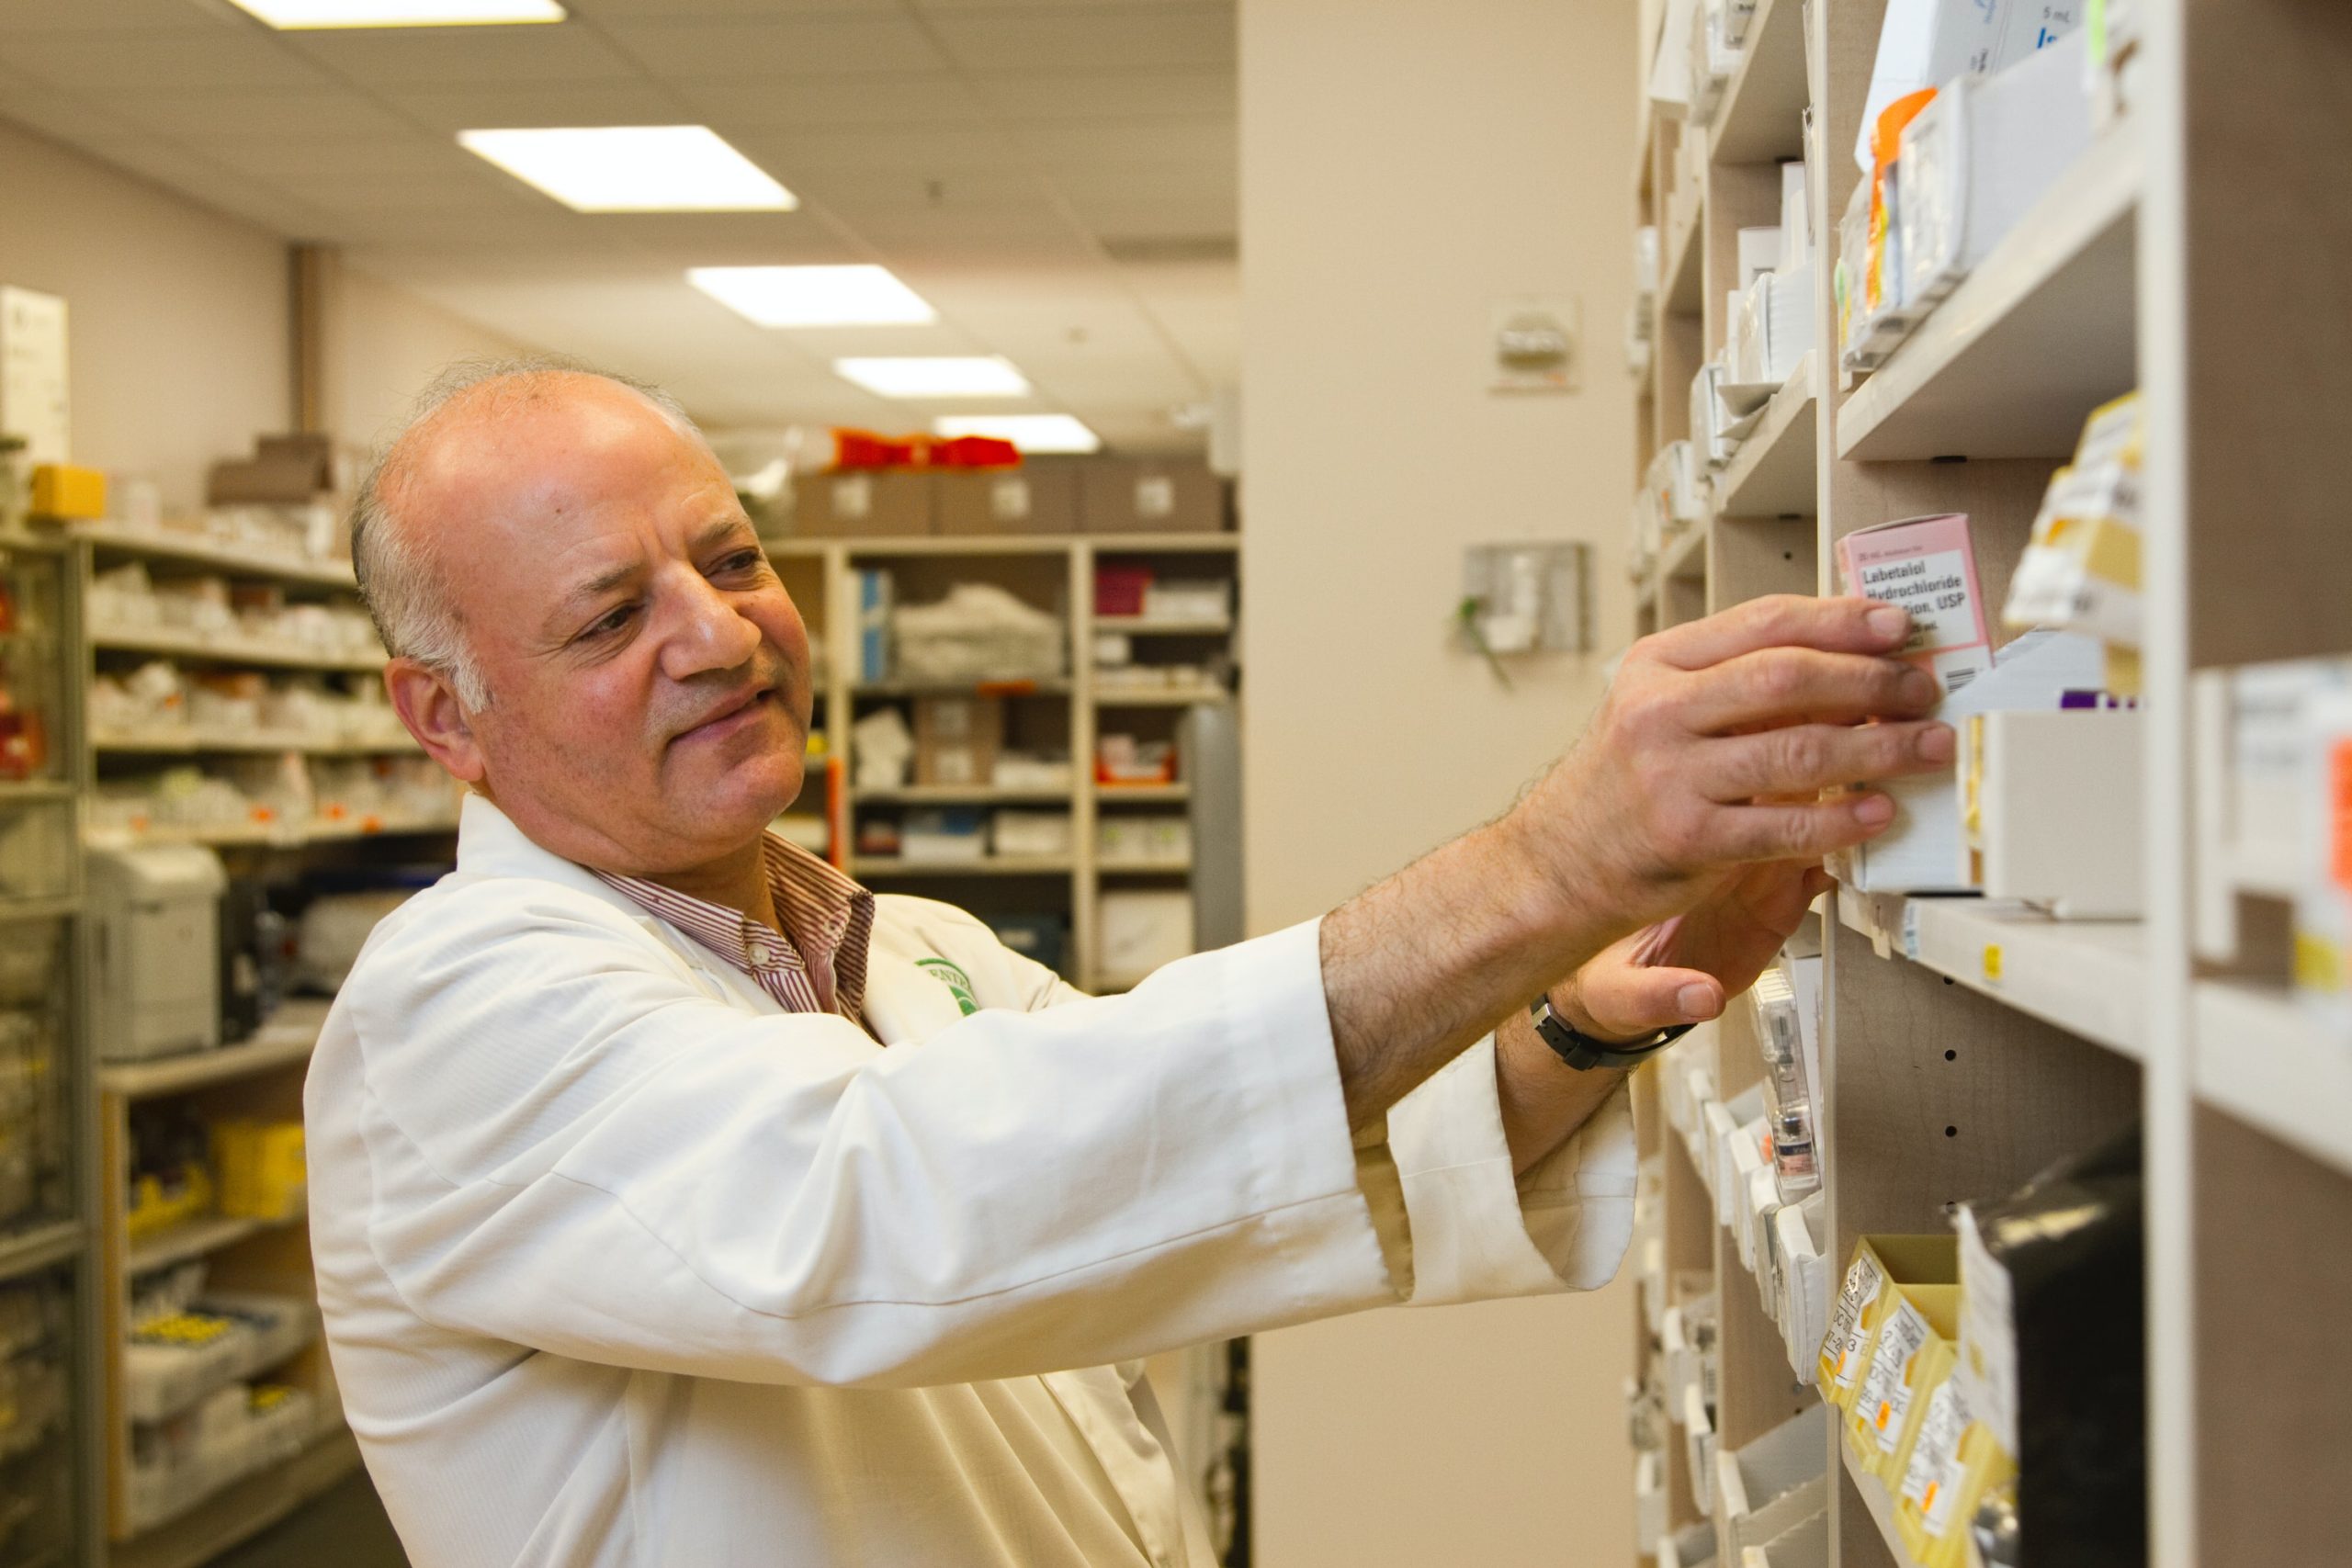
(1036, 498)
(863, 504)
(1176, 495)
(956, 740)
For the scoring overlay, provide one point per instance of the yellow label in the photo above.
(1992, 963)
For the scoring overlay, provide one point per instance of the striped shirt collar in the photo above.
(828, 918)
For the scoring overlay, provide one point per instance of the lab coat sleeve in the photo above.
(1478, 1232)
(572, 1148)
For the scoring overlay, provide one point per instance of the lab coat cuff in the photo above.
(1289, 1069)
(1478, 1230)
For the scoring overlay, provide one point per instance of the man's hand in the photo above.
(1686, 970)
(1712, 748)
(1710, 752)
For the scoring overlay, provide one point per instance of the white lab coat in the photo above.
(622, 1265)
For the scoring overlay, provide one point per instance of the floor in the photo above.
(345, 1526)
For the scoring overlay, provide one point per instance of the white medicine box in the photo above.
(158, 917)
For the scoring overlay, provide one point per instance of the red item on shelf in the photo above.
(861, 449)
(1119, 589)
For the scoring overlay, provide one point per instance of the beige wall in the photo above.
(387, 345)
(177, 316)
(1404, 165)
(178, 320)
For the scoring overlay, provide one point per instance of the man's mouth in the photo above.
(744, 707)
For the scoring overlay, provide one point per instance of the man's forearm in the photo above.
(1417, 968)
(1543, 1099)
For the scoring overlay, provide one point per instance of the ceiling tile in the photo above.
(934, 97)
(66, 116)
(916, 149)
(182, 59)
(1209, 142)
(425, 57)
(724, 239)
(268, 158)
(1027, 96)
(449, 110)
(719, 10)
(1094, 38)
(943, 193)
(792, 46)
(99, 16)
(448, 195)
(1145, 215)
(321, 113)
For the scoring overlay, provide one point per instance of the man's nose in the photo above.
(709, 634)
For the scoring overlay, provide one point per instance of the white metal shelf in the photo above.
(28, 1251)
(1159, 697)
(322, 831)
(24, 792)
(2041, 333)
(1152, 626)
(2266, 1061)
(1774, 473)
(196, 743)
(224, 648)
(1010, 545)
(113, 537)
(286, 1039)
(1018, 687)
(951, 795)
(1023, 866)
(2087, 977)
(1140, 795)
(1761, 118)
(1144, 867)
(195, 1238)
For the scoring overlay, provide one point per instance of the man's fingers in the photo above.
(1783, 685)
(1805, 757)
(1836, 626)
(1788, 832)
(1623, 1000)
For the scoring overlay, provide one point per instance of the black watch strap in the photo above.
(1582, 1051)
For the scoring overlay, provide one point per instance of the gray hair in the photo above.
(403, 590)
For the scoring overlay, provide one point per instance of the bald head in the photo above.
(415, 493)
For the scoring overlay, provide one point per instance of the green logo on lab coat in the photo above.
(955, 979)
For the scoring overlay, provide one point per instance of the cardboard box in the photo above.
(956, 740)
(1036, 498)
(1928, 566)
(1174, 496)
(868, 503)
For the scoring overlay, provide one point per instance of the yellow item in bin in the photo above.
(1954, 1461)
(1880, 1263)
(155, 1208)
(61, 489)
(1913, 1347)
(262, 1173)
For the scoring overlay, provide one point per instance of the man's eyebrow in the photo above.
(582, 595)
(718, 530)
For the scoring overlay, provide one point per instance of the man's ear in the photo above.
(428, 705)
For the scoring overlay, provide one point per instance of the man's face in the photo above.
(649, 675)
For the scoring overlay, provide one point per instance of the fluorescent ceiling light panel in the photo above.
(291, 15)
(633, 168)
(814, 296)
(989, 376)
(1030, 432)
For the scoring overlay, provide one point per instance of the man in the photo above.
(675, 1201)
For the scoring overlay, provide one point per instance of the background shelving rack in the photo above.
(260, 1076)
(2197, 251)
(1051, 571)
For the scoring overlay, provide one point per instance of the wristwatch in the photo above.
(1583, 1053)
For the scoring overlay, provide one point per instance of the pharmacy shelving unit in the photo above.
(260, 1077)
(1050, 572)
(2197, 251)
(49, 1439)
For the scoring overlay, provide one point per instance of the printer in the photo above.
(157, 911)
